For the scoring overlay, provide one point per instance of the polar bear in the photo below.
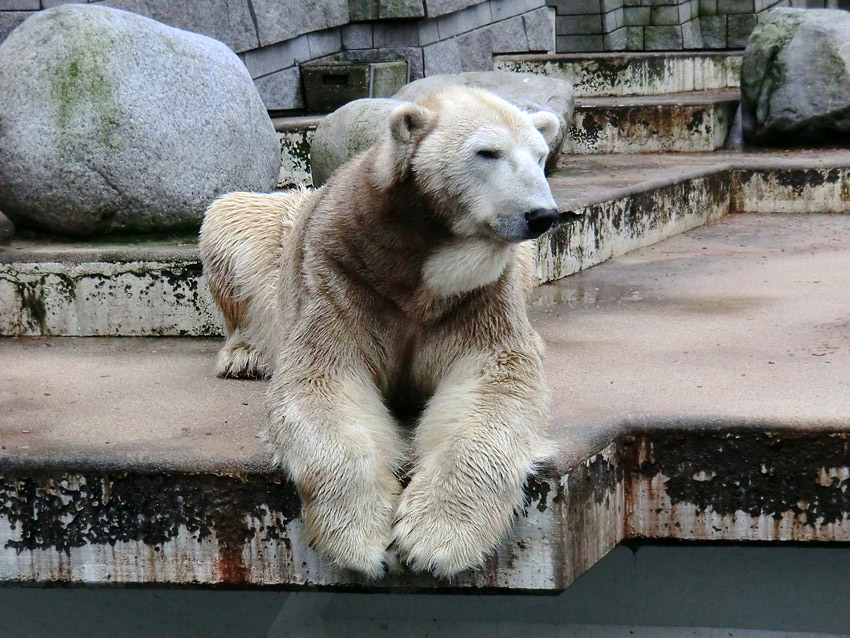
(388, 307)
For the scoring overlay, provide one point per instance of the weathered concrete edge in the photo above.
(742, 484)
(161, 291)
(635, 73)
(81, 527)
(698, 128)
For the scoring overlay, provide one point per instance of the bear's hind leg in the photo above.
(238, 359)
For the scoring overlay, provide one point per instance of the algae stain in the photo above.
(82, 93)
(34, 310)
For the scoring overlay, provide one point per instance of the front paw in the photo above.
(352, 533)
(438, 532)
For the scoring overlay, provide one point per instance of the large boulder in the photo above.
(354, 127)
(795, 79)
(112, 122)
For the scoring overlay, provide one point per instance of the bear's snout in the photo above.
(540, 220)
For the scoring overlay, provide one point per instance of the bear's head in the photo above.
(479, 160)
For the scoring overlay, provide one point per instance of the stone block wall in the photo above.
(656, 25)
(274, 36)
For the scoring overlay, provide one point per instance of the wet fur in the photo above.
(369, 304)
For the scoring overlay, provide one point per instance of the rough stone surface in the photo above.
(795, 79)
(113, 122)
(529, 92)
(346, 132)
(230, 22)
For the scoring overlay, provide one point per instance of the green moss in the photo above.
(81, 89)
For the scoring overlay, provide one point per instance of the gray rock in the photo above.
(795, 79)
(112, 122)
(349, 130)
(529, 92)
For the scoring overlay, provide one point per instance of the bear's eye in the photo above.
(489, 153)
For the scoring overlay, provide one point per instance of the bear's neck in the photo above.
(401, 247)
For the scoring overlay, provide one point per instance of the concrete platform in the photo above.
(702, 392)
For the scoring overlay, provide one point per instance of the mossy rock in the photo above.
(795, 79)
(112, 122)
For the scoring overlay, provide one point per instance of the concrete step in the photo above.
(623, 202)
(696, 121)
(700, 393)
(634, 73)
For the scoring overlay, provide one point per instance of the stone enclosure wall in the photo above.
(274, 36)
(656, 25)
(437, 36)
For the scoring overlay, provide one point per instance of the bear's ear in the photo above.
(547, 123)
(410, 122)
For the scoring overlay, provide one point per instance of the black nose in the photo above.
(540, 220)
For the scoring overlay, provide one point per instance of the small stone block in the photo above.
(612, 21)
(428, 32)
(395, 34)
(476, 50)
(735, 6)
(508, 36)
(503, 9)
(30, 5)
(575, 7)
(441, 57)
(445, 7)
(579, 43)
(281, 91)
(579, 25)
(611, 5)
(631, 3)
(616, 40)
(636, 16)
(324, 43)
(357, 36)
(685, 12)
(634, 38)
(388, 78)
(707, 8)
(662, 38)
(401, 9)
(713, 30)
(275, 57)
(664, 14)
(362, 10)
(540, 29)
(738, 30)
(692, 35)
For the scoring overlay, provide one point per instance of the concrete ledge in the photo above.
(623, 203)
(623, 74)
